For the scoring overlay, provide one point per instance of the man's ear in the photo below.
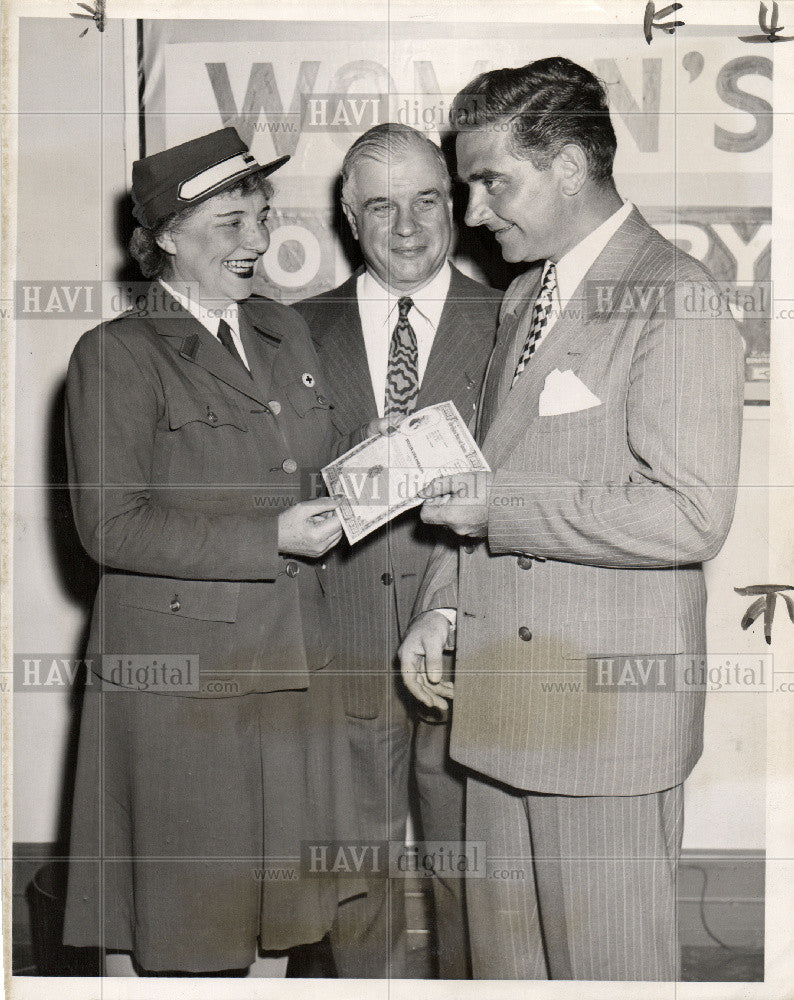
(351, 219)
(571, 166)
(166, 242)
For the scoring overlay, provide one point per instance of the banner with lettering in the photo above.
(693, 123)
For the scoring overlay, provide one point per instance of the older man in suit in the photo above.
(611, 419)
(405, 331)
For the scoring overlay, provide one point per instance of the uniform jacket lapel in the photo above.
(196, 345)
(261, 349)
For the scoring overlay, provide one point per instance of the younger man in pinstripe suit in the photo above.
(611, 419)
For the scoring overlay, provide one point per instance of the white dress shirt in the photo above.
(377, 307)
(577, 262)
(210, 319)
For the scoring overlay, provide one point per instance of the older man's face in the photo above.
(401, 214)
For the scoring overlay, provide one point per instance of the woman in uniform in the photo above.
(212, 742)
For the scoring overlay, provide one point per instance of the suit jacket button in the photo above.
(275, 406)
(524, 633)
(468, 547)
(292, 568)
(525, 562)
(175, 605)
(289, 465)
(386, 579)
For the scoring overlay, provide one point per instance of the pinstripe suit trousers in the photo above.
(576, 887)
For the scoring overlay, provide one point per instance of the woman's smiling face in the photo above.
(218, 245)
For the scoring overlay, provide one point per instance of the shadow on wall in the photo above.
(76, 579)
(124, 224)
(78, 576)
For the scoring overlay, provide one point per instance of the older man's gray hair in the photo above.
(382, 142)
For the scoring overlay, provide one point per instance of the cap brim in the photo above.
(269, 168)
(206, 184)
(265, 169)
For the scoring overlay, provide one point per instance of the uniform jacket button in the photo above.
(321, 399)
(289, 465)
(525, 562)
(468, 547)
(211, 416)
(524, 633)
(275, 407)
(175, 603)
(292, 568)
(386, 579)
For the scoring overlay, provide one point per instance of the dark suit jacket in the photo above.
(374, 584)
(624, 501)
(179, 463)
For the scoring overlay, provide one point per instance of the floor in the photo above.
(700, 964)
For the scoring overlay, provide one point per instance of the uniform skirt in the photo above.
(188, 820)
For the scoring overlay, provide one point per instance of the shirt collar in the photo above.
(209, 318)
(577, 262)
(428, 300)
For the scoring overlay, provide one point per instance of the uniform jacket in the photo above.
(375, 582)
(623, 501)
(179, 464)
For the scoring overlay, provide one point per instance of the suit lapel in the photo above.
(497, 364)
(344, 359)
(445, 375)
(571, 336)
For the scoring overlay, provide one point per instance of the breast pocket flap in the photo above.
(304, 397)
(210, 412)
(201, 600)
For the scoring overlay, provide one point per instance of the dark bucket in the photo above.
(47, 901)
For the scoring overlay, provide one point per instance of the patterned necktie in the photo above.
(225, 337)
(540, 317)
(402, 377)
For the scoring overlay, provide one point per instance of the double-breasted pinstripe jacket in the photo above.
(623, 501)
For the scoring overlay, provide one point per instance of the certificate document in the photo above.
(381, 476)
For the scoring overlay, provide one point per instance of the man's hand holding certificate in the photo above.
(383, 476)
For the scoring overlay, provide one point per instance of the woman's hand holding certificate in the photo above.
(382, 476)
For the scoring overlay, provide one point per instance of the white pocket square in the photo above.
(564, 392)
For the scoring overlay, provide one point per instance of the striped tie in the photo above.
(540, 317)
(402, 379)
